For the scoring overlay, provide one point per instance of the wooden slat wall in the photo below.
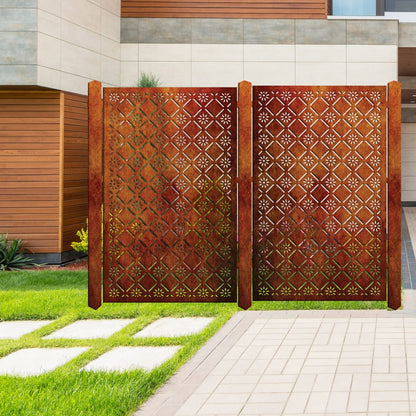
(75, 167)
(29, 168)
(243, 9)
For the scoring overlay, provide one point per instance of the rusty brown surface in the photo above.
(319, 193)
(95, 165)
(244, 194)
(394, 195)
(170, 194)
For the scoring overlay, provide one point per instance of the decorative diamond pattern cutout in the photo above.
(319, 193)
(170, 194)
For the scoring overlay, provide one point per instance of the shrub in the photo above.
(11, 256)
(81, 245)
(148, 80)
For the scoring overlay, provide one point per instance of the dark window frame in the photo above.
(380, 7)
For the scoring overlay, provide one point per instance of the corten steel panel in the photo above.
(170, 194)
(95, 192)
(319, 193)
(245, 263)
(394, 195)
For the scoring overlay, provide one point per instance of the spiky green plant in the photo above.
(11, 256)
(148, 80)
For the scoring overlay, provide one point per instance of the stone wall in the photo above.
(222, 52)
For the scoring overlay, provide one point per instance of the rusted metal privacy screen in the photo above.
(170, 194)
(319, 193)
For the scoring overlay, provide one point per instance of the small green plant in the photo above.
(81, 245)
(148, 80)
(11, 256)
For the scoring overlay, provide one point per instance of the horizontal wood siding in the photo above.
(75, 167)
(244, 9)
(29, 168)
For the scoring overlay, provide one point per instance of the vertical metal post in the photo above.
(394, 195)
(244, 194)
(95, 182)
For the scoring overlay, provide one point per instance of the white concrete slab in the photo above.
(132, 358)
(90, 329)
(174, 327)
(15, 329)
(35, 361)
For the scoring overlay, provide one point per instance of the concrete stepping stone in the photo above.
(132, 358)
(35, 361)
(90, 329)
(15, 329)
(174, 327)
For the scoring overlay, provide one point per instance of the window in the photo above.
(354, 7)
(401, 6)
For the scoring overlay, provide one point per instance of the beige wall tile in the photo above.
(409, 155)
(217, 53)
(409, 128)
(82, 13)
(74, 83)
(372, 53)
(371, 73)
(171, 74)
(409, 182)
(156, 52)
(129, 73)
(78, 35)
(129, 52)
(49, 24)
(48, 77)
(110, 48)
(321, 53)
(214, 74)
(269, 53)
(270, 73)
(408, 195)
(110, 25)
(312, 73)
(49, 51)
(81, 62)
(112, 6)
(50, 6)
(110, 71)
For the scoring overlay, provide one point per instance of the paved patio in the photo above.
(304, 362)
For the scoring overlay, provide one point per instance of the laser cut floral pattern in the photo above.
(322, 165)
(170, 194)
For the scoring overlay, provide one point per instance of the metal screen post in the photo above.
(394, 195)
(95, 179)
(244, 194)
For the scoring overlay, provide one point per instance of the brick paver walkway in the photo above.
(300, 363)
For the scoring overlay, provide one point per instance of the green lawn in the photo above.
(62, 296)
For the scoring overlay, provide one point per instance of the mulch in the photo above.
(79, 264)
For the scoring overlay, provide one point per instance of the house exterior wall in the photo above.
(222, 52)
(18, 42)
(78, 41)
(74, 167)
(301, 9)
(30, 168)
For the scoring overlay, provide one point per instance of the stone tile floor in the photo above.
(129, 358)
(35, 361)
(16, 329)
(337, 363)
(90, 329)
(174, 327)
